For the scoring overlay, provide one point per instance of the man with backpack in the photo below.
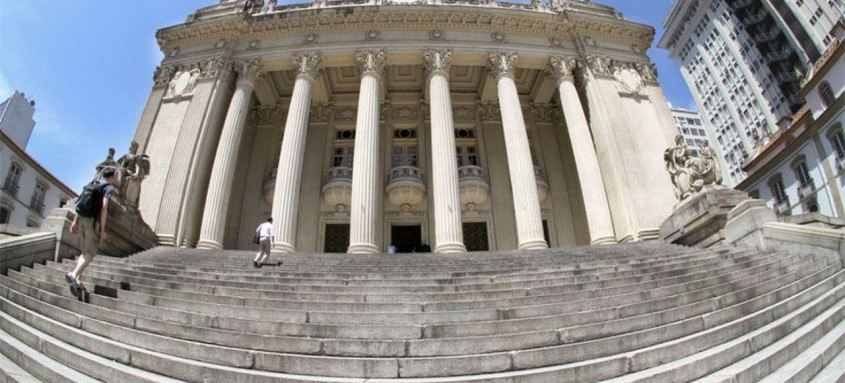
(92, 211)
(265, 233)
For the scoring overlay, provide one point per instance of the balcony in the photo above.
(473, 187)
(755, 18)
(782, 208)
(37, 205)
(780, 55)
(795, 100)
(405, 187)
(788, 77)
(764, 37)
(337, 187)
(542, 184)
(739, 4)
(11, 187)
(806, 191)
(269, 187)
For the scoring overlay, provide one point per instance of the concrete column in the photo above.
(366, 185)
(586, 161)
(448, 233)
(222, 173)
(529, 221)
(289, 171)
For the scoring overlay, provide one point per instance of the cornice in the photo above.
(363, 18)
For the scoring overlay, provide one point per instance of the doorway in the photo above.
(337, 238)
(406, 238)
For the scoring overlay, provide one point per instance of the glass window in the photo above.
(776, 186)
(802, 173)
(826, 94)
(837, 140)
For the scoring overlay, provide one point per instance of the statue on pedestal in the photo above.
(132, 168)
(690, 174)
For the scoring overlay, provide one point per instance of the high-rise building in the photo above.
(691, 127)
(743, 61)
(16, 118)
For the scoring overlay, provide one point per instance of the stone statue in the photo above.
(690, 174)
(109, 162)
(132, 168)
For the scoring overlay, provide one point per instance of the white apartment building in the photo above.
(16, 118)
(743, 61)
(691, 127)
(802, 169)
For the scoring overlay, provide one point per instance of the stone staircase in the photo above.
(644, 312)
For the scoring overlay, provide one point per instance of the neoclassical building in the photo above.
(359, 124)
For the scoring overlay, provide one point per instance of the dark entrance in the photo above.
(475, 236)
(405, 237)
(337, 238)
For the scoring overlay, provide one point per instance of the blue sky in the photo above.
(88, 65)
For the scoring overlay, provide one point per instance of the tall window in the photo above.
(837, 140)
(826, 94)
(466, 147)
(344, 149)
(37, 201)
(4, 215)
(776, 186)
(405, 147)
(801, 172)
(12, 178)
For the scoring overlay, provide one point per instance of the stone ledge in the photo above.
(26, 250)
(699, 220)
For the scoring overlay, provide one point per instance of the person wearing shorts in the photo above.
(91, 231)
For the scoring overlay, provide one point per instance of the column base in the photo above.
(450, 247)
(362, 248)
(606, 240)
(283, 247)
(166, 240)
(206, 244)
(536, 244)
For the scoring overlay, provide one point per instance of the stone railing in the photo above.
(338, 173)
(472, 172)
(405, 173)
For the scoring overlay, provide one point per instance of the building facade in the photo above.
(691, 127)
(743, 61)
(360, 125)
(29, 192)
(802, 170)
(16, 118)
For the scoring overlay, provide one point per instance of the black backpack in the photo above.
(90, 200)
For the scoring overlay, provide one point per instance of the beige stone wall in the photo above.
(160, 148)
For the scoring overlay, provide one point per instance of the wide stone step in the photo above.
(10, 372)
(832, 373)
(485, 360)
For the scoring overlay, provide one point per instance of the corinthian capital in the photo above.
(307, 65)
(248, 70)
(437, 61)
(561, 68)
(371, 61)
(600, 65)
(219, 66)
(502, 64)
(163, 74)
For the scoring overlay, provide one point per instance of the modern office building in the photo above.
(16, 118)
(802, 169)
(357, 127)
(743, 61)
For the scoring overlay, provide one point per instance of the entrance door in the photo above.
(406, 237)
(475, 236)
(337, 238)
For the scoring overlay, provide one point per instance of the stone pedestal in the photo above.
(699, 220)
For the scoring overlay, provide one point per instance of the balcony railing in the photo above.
(756, 18)
(780, 55)
(795, 100)
(764, 37)
(405, 173)
(37, 205)
(11, 187)
(472, 172)
(806, 191)
(339, 173)
(787, 77)
(739, 4)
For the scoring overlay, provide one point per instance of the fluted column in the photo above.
(596, 206)
(529, 221)
(222, 172)
(292, 156)
(363, 223)
(448, 233)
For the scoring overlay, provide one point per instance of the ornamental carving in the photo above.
(182, 83)
(599, 65)
(648, 71)
(269, 115)
(502, 64)
(320, 113)
(248, 70)
(219, 66)
(437, 61)
(347, 113)
(405, 114)
(163, 74)
(627, 77)
(372, 35)
(435, 35)
(384, 110)
(489, 111)
(463, 113)
(561, 68)
(307, 65)
(310, 38)
(690, 174)
(371, 61)
(541, 112)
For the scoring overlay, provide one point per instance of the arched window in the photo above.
(13, 176)
(799, 166)
(837, 140)
(826, 94)
(778, 190)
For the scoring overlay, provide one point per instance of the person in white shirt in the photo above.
(266, 235)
